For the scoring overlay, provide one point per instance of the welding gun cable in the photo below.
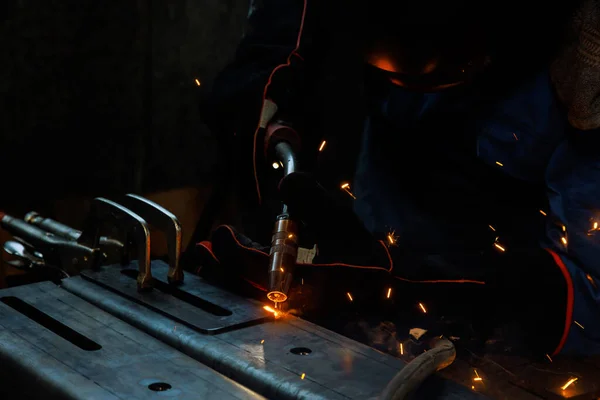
(441, 355)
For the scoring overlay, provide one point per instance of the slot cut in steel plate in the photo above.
(194, 303)
(285, 359)
(71, 349)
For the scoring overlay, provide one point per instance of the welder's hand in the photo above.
(241, 264)
(237, 262)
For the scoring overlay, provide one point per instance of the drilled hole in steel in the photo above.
(301, 351)
(159, 386)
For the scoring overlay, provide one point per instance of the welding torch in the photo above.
(282, 143)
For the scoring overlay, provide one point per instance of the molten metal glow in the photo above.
(276, 296)
(271, 310)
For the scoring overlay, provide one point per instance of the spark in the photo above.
(543, 213)
(303, 281)
(275, 165)
(392, 238)
(549, 358)
(262, 341)
(515, 136)
(477, 377)
(346, 187)
(492, 228)
(473, 387)
(389, 292)
(349, 296)
(595, 226)
(564, 228)
(499, 247)
(563, 240)
(197, 82)
(569, 383)
(322, 146)
(401, 348)
(302, 376)
(281, 269)
(291, 235)
(578, 324)
(591, 280)
(423, 308)
(499, 163)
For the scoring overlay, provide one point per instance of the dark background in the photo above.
(99, 98)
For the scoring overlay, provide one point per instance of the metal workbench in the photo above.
(106, 340)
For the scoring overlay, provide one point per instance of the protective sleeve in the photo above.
(276, 60)
(573, 238)
(273, 73)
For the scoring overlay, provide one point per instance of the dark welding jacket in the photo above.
(279, 60)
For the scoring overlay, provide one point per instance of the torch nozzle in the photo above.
(282, 258)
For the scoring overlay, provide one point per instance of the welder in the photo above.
(478, 164)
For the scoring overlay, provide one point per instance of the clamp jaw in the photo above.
(42, 242)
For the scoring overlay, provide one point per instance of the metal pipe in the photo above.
(285, 154)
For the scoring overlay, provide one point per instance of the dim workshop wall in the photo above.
(101, 97)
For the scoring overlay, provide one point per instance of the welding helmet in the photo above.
(431, 45)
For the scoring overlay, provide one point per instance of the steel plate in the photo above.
(73, 350)
(195, 303)
(268, 357)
